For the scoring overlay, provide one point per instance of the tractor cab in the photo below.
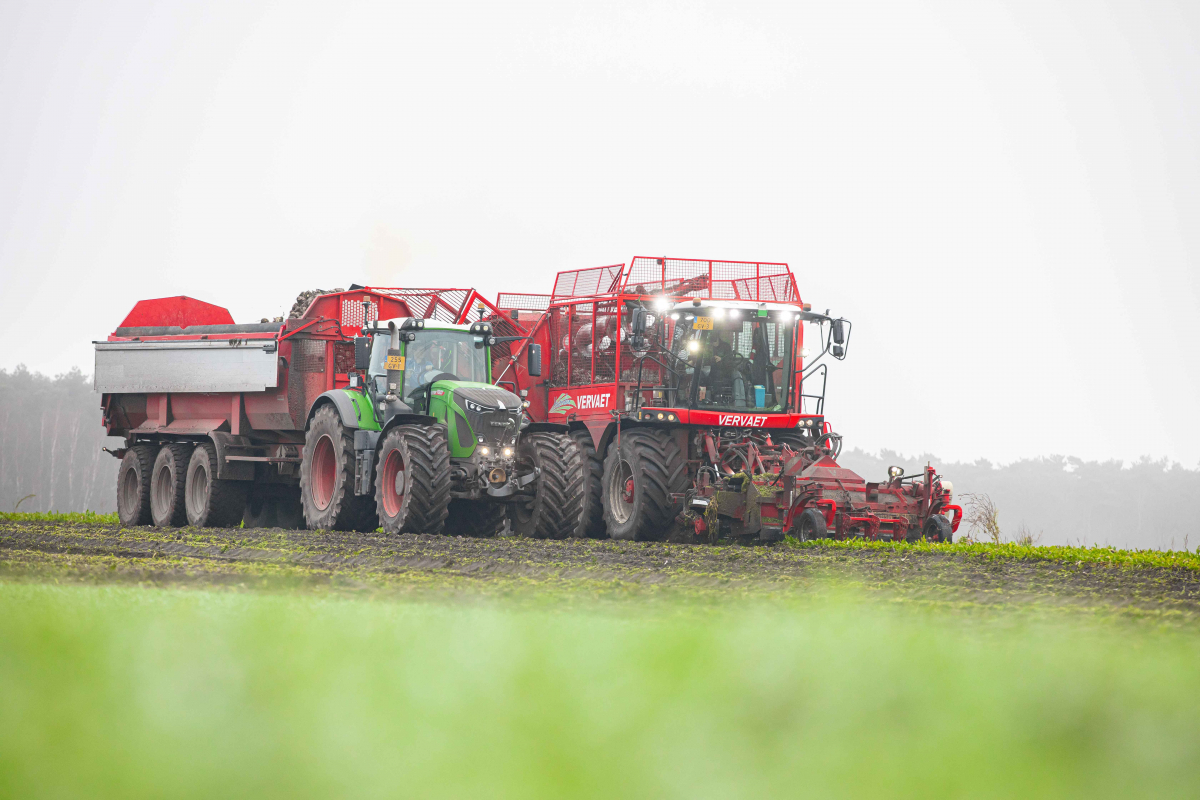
(731, 355)
(443, 370)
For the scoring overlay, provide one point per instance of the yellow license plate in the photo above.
(702, 324)
(394, 362)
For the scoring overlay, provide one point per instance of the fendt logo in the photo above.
(564, 402)
(741, 420)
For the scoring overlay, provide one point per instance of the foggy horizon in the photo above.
(999, 197)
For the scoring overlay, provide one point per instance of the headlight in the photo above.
(670, 417)
(675, 317)
(485, 451)
(507, 452)
(660, 415)
(693, 345)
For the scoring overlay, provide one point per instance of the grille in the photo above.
(308, 355)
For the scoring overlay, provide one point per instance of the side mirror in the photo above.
(534, 363)
(638, 322)
(362, 352)
(838, 351)
(839, 331)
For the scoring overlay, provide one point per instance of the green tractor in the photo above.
(422, 442)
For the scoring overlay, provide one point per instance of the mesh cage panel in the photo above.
(352, 313)
(587, 282)
(308, 355)
(580, 343)
(606, 338)
(444, 305)
(559, 344)
(722, 280)
(522, 302)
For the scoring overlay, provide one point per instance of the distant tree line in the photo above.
(51, 440)
(50, 444)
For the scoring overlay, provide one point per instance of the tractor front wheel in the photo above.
(412, 481)
(555, 510)
(641, 472)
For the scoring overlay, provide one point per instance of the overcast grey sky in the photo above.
(1001, 195)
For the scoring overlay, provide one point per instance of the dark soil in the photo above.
(577, 570)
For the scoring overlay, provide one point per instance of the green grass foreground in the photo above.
(90, 517)
(131, 692)
(1098, 554)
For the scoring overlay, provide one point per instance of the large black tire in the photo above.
(591, 523)
(937, 529)
(648, 462)
(167, 481)
(810, 525)
(212, 503)
(133, 485)
(327, 477)
(412, 481)
(480, 519)
(556, 509)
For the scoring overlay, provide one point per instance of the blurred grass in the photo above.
(90, 517)
(130, 692)
(1098, 554)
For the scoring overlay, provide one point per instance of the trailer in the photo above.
(690, 389)
(371, 408)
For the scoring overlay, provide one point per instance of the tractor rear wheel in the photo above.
(327, 477)
(640, 475)
(810, 525)
(167, 481)
(412, 481)
(211, 502)
(937, 529)
(480, 519)
(591, 525)
(133, 485)
(555, 511)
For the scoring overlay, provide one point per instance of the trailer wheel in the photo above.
(167, 507)
(211, 502)
(133, 486)
(479, 519)
(639, 476)
(937, 529)
(412, 482)
(810, 525)
(556, 509)
(327, 477)
(591, 525)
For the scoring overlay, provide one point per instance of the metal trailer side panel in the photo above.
(186, 366)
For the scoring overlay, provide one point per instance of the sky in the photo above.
(1002, 196)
